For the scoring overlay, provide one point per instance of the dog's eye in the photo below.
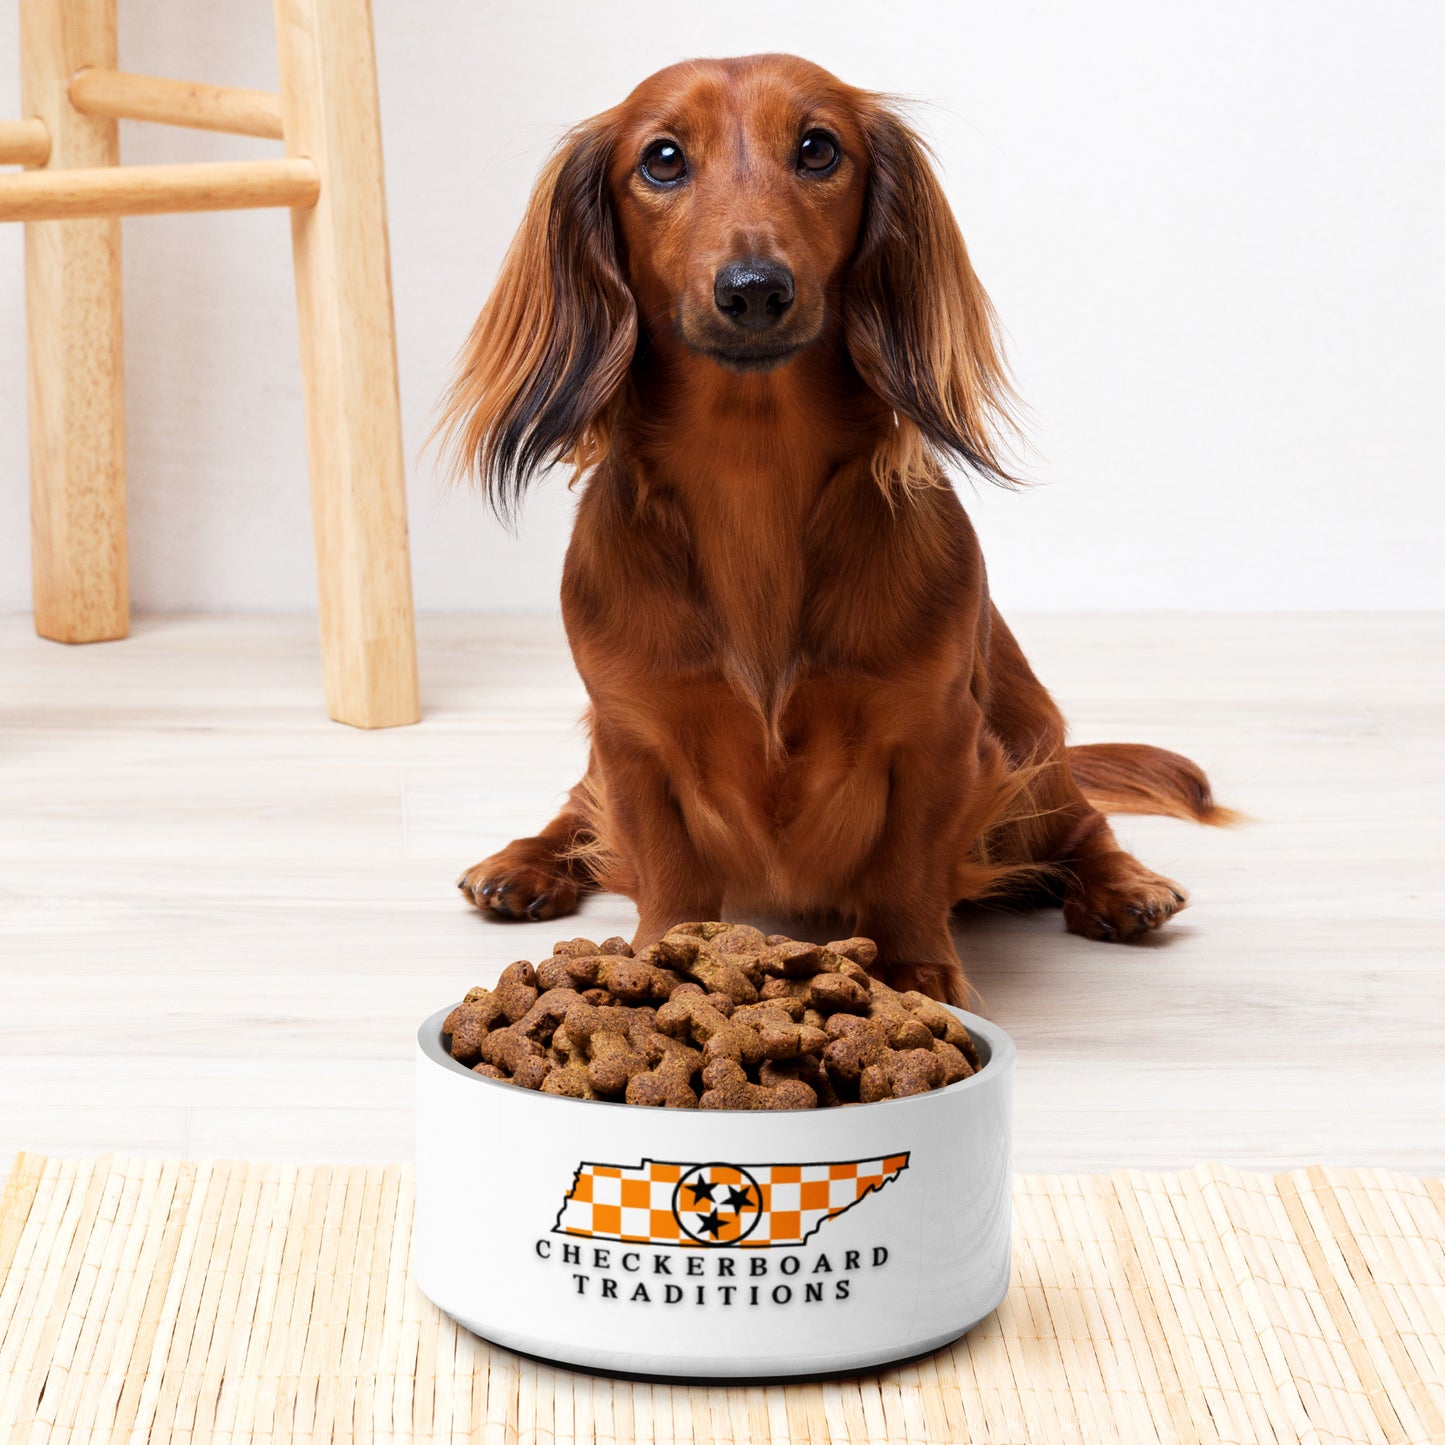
(818, 152)
(664, 162)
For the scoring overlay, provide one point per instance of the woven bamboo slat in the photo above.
(160, 1300)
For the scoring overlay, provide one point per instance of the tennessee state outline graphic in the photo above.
(719, 1205)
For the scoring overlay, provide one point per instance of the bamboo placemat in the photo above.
(150, 1300)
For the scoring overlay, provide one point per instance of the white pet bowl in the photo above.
(836, 1239)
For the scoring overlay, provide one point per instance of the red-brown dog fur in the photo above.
(802, 699)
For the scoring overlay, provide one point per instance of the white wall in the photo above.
(1213, 230)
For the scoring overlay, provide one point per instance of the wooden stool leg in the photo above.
(72, 296)
(348, 359)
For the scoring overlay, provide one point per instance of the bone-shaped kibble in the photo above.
(603, 1034)
(688, 1016)
(686, 954)
(727, 1087)
(705, 931)
(940, 1023)
(780, 988)
(471, 1021)
(862, 951)
(542, 1020)
(570, 1081)
(856, 1044)
(575, 947)
(552, 973)
(516, 989)
(564, 1047)
(904, 1030)
(797, 960)
(720, 1001)
(781, 1036)
(668, 1084)
(900, 1073)
(832, 993)
(807, 1069)
(790, 998)
(522, 1058)
(743, 945)
(955, 1063)
(629, 980)
(738, 938)
(768, 1021)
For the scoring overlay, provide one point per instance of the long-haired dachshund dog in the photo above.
(740, 307)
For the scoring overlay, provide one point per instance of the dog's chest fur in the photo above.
(775, 659)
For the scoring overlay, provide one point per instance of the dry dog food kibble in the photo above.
(713, 1016)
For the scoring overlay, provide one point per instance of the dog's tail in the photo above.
(1135, 778)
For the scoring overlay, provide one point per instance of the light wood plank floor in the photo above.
(222, 916)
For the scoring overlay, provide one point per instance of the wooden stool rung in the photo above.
(123, 96)
(62, 195)
(24, 142)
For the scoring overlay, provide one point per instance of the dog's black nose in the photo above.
(754, 294)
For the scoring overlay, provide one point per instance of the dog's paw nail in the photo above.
(1176, 895)
(535, 907)
(487, 890)
(1105, 928)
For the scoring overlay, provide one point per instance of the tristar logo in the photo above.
(743, 1206)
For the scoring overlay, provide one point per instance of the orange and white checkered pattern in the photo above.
(748, 1206)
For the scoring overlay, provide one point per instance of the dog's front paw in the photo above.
(513, 885)
(1115, 899)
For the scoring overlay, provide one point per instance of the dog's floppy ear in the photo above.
(919, 325)
(548, 353)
